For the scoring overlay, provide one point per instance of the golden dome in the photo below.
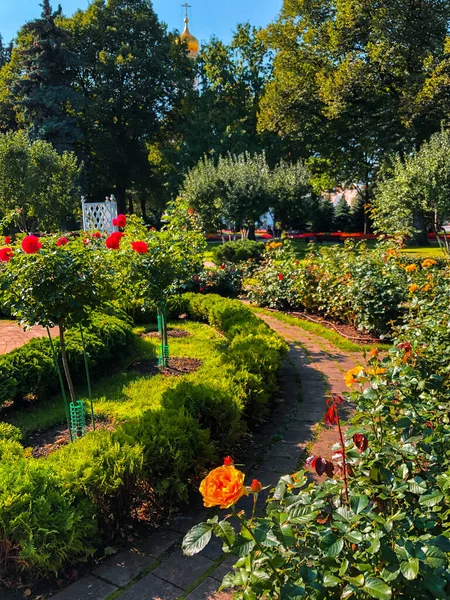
(192, 42)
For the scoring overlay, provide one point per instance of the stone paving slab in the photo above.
(123, 567)
(183, 570)
(151, 588)
(159, 542)
(89, 588)
(204, 591)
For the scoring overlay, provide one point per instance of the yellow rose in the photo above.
(429, 262)
(223, 487)
(351, 376)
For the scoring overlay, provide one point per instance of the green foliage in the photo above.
(38, 180)
(238, 189)
(29, 370)
(420, 183)
(351, 284)
(104, 468)
(381, 531)
(43, 527)
(9, 432)
(255, 350)
(175, 448)
(43, 94)
(329, 97)
(225, 280)
(238, 251)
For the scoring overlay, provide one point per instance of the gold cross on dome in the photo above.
(186, 6)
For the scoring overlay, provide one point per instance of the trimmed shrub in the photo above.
(238, 251)
(175, 448)
(9, 432)
(30, 370)
(43, 527)
(104, 467)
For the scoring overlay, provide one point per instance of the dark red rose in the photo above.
(97, 235)
(113, 241)
(120, 221)
(281, 276)
(31, 244)
(6, 254)
(62, 241)
(360, 441)
(222, 266)
(320, 465)
(331, 416)
(139, 247)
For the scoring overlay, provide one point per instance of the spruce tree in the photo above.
(44, 92)
(341, 219)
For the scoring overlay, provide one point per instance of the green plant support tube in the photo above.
(88, 378)
(61, 382)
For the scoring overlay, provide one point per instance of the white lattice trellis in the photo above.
(98, 216)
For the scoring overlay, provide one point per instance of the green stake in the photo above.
(88, 377)
(61, 382)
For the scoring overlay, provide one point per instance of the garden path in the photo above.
(12, 336)
(156, 568)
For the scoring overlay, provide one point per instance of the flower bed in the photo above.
(365, 288)
(57, 510)
(377, 527)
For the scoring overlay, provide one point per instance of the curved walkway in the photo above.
(12, 336)
(156, 568)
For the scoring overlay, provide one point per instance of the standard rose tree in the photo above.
(54, 282)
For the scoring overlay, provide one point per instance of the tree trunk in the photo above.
(143, 204)
(130, 205)
(65, 362)
(251, 232)
(120, 197)
(420, 237)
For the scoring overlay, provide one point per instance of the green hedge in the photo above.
(30, 369)
(93, 483)
(238, 251)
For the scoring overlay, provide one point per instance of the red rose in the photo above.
(256, 486)
(222, 266)
(320, 465)
(86, 242)
(97, 235)
(120, 221)
(281, 276)
(139, 247)
(227, 461)
(62, 241)
(31, 244)
(113, 241)
(331, 416)
(360, 441)
(6, 254)
(7, 239)
(191, 211)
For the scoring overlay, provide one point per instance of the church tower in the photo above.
(192, 42)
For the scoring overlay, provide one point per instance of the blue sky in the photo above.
(208, 17)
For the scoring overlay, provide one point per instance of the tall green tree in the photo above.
(134, 78)
(42, 91)
(346, 76)
(42, 183)
(419, 184)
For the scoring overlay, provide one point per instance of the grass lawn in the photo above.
(126, 393)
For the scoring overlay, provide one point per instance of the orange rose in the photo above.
(256, 486)
(377, 371)
(410, 268)
(373, 353)
(223, 487)
(351, 376)
(426, 288)
(413, 287)
(429, 262)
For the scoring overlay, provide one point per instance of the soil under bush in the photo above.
(46, 442)
(172, 333)
(177, 366)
